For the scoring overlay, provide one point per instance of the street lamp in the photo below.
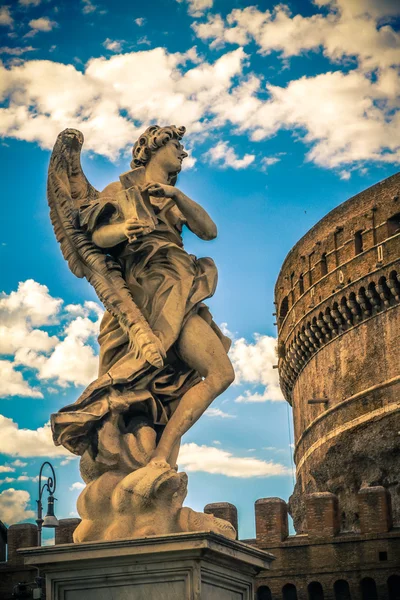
(50, 519)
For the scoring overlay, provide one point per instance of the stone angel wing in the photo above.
(67, 189)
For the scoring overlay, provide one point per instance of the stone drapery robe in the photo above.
(168, 285)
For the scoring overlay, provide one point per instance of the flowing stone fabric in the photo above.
(168, 285)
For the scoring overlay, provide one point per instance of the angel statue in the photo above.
(163, 360)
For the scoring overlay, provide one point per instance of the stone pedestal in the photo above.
(192, 566)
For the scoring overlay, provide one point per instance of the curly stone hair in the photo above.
(153, 138)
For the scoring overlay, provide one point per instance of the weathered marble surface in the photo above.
(197, 566)
(163, 359)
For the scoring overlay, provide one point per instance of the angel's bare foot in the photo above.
(160, 462)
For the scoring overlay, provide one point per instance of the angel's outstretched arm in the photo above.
(198, 220)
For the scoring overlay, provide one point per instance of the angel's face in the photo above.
(170, 156)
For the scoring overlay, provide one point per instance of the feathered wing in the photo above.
(67, 188)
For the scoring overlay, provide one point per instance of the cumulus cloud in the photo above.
(350, 29)
(113, 45)
(72, 360)
(65, 358)
(29, 2)
(78, 485)
(17, 50)
(14, 506)
(6, 469)
(253, 363)
(346, 116)
(266, 396)
(19, 463)
(196, 8)
(217, 412)
(12, 383)
(22, 312)
(88, 7)
(43, 24)
(268, 161)
(5, 16)
(27, 442)
(44, 96)
(225, 156)
(20, 478)
(140, 21)
(208, 459)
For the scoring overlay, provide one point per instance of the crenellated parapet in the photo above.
(20, 536)
(325, 557)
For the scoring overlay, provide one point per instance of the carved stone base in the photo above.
(192, 566)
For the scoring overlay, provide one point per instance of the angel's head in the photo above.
(160, 145)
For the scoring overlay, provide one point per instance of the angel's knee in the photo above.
(221, 378)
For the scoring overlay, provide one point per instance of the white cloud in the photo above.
(48, 542)
(268, 161)
(164, 89)
(217, 412)
(5, 16)
(17, 50)
(42, 24)
(344, 117)
(345, 175)
(140, 21)
(12, 383)
(266, 396)
(348, 30)
(224, 156)
(67, 459)
(253, 363)
(226, 331)
(14, 506)
(65, 358)
(29, 2)
(144, 40)
(27, 442)
(6, 469)
(19, 463)
(196, 8)
(20, 478)
(21, 312)
(32, 301)
(208, 459)
(88, 7)
(113, 45)
(347, 117)
(73, 360)
(78, 485)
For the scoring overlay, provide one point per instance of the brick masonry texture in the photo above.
(338, 307)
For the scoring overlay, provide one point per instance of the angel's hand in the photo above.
(162, 190)
(134, 227)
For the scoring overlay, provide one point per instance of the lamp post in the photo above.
(50, 519)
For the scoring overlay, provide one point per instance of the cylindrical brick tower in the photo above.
(338, 305)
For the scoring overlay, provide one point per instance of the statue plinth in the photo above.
(188, 566)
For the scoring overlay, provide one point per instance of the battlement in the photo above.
(271, 520)
(322, 517)
(25, 535)
(345, 234)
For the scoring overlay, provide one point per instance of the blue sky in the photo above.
(290, 109)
